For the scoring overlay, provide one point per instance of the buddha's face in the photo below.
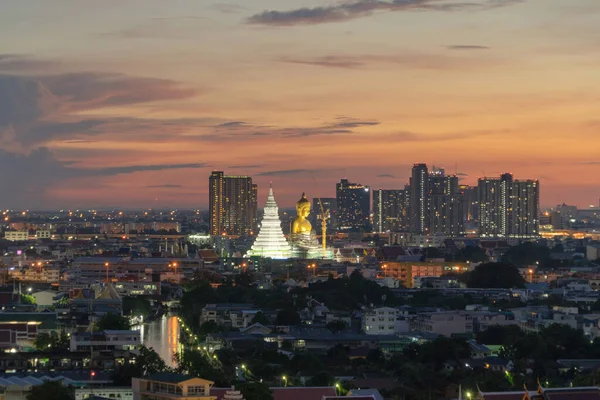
(304, 210)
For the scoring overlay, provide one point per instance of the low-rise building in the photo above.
(383, 321)
(16, 236)
(105, 340)
(165, 386)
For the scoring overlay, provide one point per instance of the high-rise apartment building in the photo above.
(471, 204)
(353, 205)
(232, 204)
(390, 211)
(508, 207)
(328, 203)
(419, 198)
(445, 205)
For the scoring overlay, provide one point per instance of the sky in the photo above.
(132, 103)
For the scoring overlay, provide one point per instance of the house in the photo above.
(105, 340)
(383, 321)
(166, 386)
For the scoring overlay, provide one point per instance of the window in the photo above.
(195, 390)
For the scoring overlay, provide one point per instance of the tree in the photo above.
(496, 276)
(51, 341)
(321, 379)
(255, 391)
(113, 322)
(525, 254)
(137, 305)
(288, 316)
(147, 362)
(260, 318)
(27, 299)
(472, 254)
(50, 390)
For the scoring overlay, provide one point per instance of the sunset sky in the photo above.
(132, 103)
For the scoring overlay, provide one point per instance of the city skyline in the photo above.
(133, 107)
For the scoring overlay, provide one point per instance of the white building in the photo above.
(43, 234)
(121, 393)
(105, 340)
(270, 241)
(383, 321)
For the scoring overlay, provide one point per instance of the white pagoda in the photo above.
(270, 242)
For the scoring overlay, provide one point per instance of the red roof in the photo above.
(302, 393)
(291, 393)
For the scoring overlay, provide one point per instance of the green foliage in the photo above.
(260, 318)
(496, 276)
(474, 254)
(199, 363)
(51, 390)
(45, 341)
(27, 299)
(255, 391)
(112, 321)
(147, 362)
(137, 305)
(321, 379)
(288, 316)
(526, 254)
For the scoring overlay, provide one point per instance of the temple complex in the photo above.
(270, 242)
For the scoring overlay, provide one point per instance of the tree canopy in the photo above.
(494, 276)
(51, 390)
(112, 321)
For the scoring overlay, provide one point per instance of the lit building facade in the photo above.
(390, 213)
(232, 204)
(419, 198)
(508, 207)
(353, 205)
(328, 203)
(445, 205)
(270, 242)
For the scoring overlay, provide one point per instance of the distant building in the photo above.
(383, 321)
(108, 340)
(508, 208)
(353, 205)
(390, 213)
(445, 204)
(232, 204)
(166, 386)
(16, 236)
(328, 203)
(419, 198)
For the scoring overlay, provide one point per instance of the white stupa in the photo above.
(270, 242)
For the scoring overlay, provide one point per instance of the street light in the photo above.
(384, 266)
(284, 380)
(106, 264)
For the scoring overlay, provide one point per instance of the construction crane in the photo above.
(324, 215)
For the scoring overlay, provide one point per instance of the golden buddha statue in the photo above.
(300, 223)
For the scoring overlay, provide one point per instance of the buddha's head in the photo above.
(303, 206)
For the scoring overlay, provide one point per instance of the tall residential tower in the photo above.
(232, 204)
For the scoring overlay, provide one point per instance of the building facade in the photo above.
(390, 213)
(508, 207)
(232, 204)
(419, 199)
(353, 205)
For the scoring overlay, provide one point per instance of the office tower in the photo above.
(389, 210)
(419, 190)
(353, 205)
(232, 205)
(445, 205)
(329, 203)
(508, 207)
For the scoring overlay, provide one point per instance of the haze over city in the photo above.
(133, 103)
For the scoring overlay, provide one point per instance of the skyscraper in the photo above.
(508, 207)
(389, 210)
(232, 205)
(353, 205)
(445, 204)
(419, 198)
